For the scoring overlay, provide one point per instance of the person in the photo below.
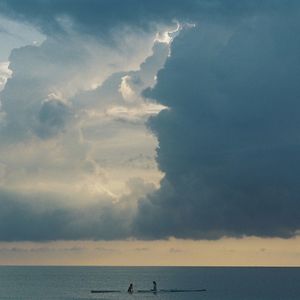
(154, 289)
(130, 288)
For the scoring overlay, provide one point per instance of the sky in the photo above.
(149, 132)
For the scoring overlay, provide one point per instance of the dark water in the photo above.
(221, 283)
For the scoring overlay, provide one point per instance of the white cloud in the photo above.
(168, 35)
(103, 141)
(126, 90)
(73, 132)
(136, 114)
(5, 73)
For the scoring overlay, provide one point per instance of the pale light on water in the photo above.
(62, 283)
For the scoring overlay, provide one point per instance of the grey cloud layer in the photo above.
(229, 144)
(95, 17)
(46, 216)
(98, 18)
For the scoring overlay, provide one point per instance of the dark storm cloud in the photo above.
(229, 144)
(40, 217)
(100, 17)
(92, 16)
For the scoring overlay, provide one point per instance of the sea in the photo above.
(228, 283)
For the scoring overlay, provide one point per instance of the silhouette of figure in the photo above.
(154, 289)
(130, 288)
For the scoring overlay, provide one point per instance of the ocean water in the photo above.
(62, 283)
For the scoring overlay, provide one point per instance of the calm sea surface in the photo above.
(221, 283)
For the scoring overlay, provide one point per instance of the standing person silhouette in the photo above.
(130, 288)
(154, 289)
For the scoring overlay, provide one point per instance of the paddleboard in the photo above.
(150, 291)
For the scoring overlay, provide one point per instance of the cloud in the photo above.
(33, 216)
(175, 250)
(59, 69)
(142, 249)
(14, 34)
(5, 73)
(72, 121)
(98, 18)
(52, 118)
(61, 182)
(40, 249)
(229, 142)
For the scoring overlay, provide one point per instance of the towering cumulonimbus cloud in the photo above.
(229, 141)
